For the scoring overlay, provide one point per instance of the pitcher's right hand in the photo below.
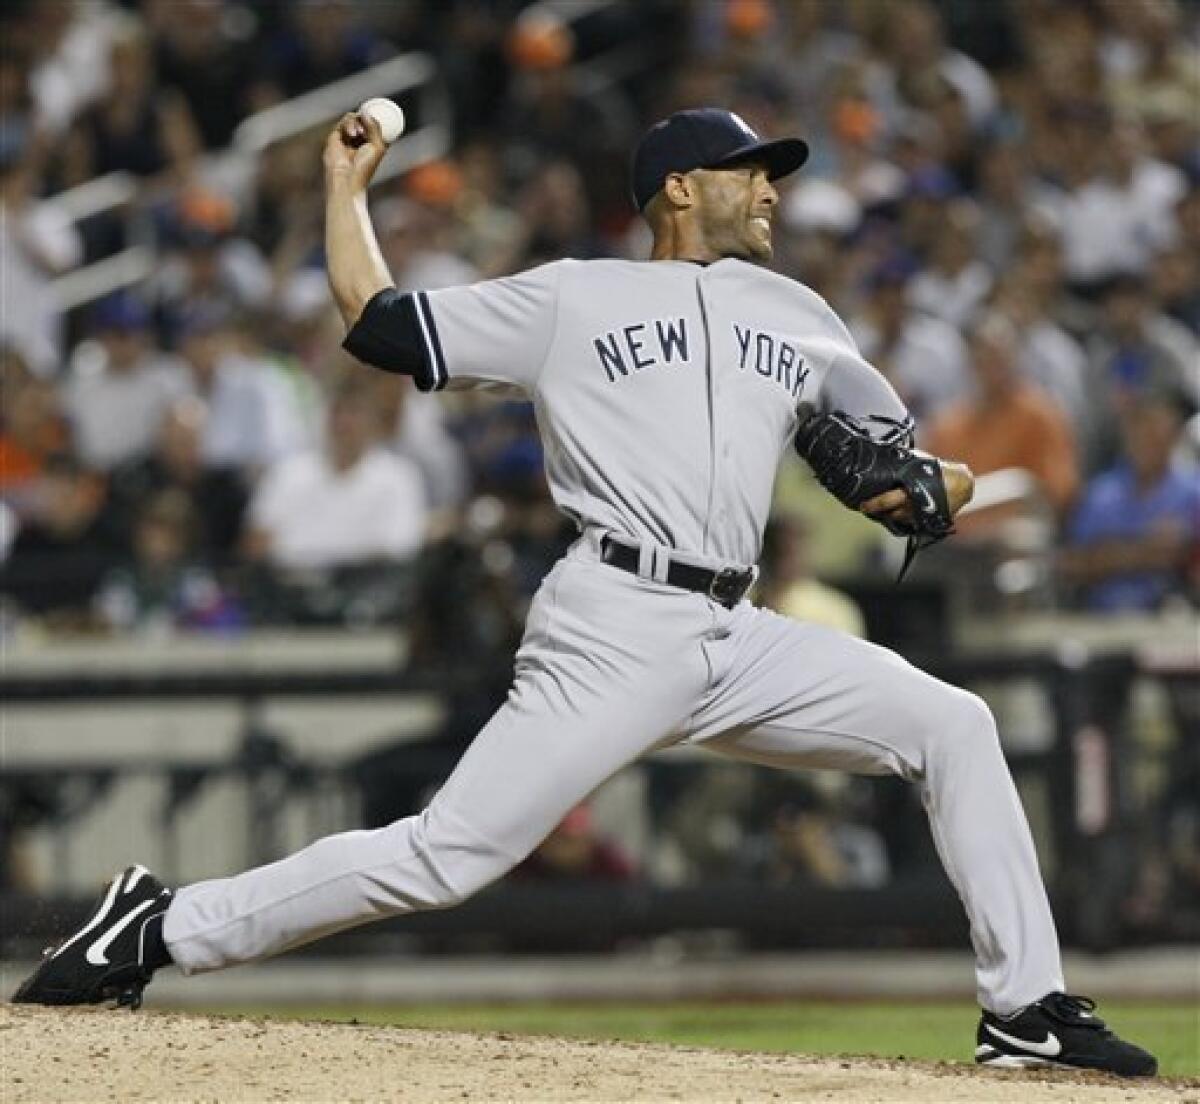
(353, 151)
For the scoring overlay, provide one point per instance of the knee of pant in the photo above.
(457, 865)
(967, 722)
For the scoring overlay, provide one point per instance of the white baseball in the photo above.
(388, 114)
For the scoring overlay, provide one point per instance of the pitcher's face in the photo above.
(736, 210)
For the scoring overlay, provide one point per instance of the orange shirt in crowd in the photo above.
(1025, 429)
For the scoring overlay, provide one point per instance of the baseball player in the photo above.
(666, 393)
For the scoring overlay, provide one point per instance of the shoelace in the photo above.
(1077, 1009)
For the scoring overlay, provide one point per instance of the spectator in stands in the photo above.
(133, 127)
(1187, 217)
(64, 546)
(473, 64)
(925, 208)
(1175, 285)
(490, 231)
(16, 97)
(790, 588)
(349, 502)
(32, 428)
(925, 359)
(857, 131)
(1050, 358)
(1007, 423)
(417, 240)
(806, 55)
(283, 215)
(37, 242)
(217, 495)
(1006, 193)
(1152, 187)
(917, 66)
(813, 837)
(210, 267)
(120, 386)
(1062, 75)
(554, 210)
(1137, 349)
(161, 586)
(1117, 205)
(956, 282)
(203, 52)
(549, 117)
(297, 343)
(821, 219)
(1154, 64)
(323, 41)
(254, 417)
(1136, 534)
(69, 46)
(416, 428)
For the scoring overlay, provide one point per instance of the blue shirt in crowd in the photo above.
(1114, 508)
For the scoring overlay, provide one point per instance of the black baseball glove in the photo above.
(854, 467)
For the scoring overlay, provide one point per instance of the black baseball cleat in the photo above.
(114, 955)
(1058, 1031)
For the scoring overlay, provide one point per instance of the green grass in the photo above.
(913, 1030)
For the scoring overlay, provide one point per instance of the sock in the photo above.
(154, 948)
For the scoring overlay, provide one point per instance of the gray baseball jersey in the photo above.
(665, 394)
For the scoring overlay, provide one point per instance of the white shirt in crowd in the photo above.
(117, 415)
(1052, 359)
(928, 365)
(317, 517)
(953, 299)
(421, 436)
(258, 414)
(1107, 227)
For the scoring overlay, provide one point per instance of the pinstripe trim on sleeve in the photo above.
(433, 344)
(892, 431)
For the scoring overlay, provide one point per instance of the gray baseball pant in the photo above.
(613, 666)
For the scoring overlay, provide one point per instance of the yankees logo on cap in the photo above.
(706, 138)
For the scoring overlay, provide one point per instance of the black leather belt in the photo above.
(727, 586)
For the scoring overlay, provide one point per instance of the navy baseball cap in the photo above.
(706, 138)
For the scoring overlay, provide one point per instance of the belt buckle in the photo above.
(727, 586)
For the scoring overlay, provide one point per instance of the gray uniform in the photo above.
(666, 393)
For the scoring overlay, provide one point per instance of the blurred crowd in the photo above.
(1003, 202)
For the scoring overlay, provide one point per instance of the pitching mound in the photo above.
(101, 1055)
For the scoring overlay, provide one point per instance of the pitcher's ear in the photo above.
(680, 190)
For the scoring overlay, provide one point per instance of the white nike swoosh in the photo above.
(95, 953)
(1050, 1047)
(96, 920)
(928, 506)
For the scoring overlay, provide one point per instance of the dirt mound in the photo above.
(103, 1055)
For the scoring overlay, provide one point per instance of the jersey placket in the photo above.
(710, 377)
(717, 509)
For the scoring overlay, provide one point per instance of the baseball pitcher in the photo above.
(666, 392)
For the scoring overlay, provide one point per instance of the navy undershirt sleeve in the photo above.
(388, 335)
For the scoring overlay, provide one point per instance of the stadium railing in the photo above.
(412, 79)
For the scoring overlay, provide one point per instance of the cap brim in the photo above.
(781, 157)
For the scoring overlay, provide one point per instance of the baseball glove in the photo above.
(854, 467)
